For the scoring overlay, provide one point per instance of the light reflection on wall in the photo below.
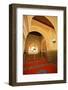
(33, 50)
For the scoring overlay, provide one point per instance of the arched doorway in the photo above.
(35, 52)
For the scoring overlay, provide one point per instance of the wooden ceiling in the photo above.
(43, 20)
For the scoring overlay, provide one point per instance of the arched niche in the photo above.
(35, 43)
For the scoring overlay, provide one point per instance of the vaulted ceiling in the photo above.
(43, 20)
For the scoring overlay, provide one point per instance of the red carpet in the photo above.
(38, 65)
